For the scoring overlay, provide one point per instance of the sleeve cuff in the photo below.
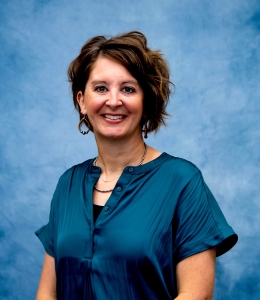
(223, 242)
(41, 234)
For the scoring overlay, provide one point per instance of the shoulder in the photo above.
(75, 172)
(71, 182)
(181, 166)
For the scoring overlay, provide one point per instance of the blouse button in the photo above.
(131, 169)
(119, 189)
(106, 208)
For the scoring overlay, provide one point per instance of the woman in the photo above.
(133, 223)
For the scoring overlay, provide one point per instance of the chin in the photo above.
(116, 135)
(112, 135)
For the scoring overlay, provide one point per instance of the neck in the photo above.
(115, 155)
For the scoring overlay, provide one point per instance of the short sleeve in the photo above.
(46, 233)
(198, 222)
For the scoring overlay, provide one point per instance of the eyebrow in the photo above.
(131, 82)
(124, 82)
(98, 82)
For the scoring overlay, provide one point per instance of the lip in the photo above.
(113, 118)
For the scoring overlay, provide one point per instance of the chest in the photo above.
(100, 198)
(136, 217)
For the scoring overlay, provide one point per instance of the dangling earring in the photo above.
(145, 130)
(86, 122)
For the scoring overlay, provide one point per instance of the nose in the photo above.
(114, 99)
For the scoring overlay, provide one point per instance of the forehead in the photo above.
(105, 66)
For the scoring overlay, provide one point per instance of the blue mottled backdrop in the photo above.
(213, 51)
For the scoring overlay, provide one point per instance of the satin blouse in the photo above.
(158, 214)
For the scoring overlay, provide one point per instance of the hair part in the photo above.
(147, 66)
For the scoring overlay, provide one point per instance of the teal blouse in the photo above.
(158, 214)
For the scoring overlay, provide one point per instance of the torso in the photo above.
(158, 214)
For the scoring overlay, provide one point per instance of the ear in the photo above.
(81, 102)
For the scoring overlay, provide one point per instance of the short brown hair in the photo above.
(147, 66)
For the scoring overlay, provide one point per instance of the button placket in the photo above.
(95, 238)
(110, 204)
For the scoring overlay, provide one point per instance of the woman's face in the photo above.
(113, 100)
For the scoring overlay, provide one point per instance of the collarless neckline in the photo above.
(134, 169)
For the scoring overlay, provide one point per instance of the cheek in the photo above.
(135, 104)
(137, 107)
(93, 104)
(94, 109)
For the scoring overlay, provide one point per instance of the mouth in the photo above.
(114, 117)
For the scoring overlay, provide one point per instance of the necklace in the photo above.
(108, 180)
(102, 191)
(108, 191)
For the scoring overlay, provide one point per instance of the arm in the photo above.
(47, 285)
(195, 276)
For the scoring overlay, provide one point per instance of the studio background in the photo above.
(212, 48)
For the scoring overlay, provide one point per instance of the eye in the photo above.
(100, 89)
(128, 90)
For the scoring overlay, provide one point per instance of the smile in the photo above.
(113, 117)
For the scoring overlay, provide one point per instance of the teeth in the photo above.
(113, 117)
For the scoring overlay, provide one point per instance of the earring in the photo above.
(145, 130)
(86, 122)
